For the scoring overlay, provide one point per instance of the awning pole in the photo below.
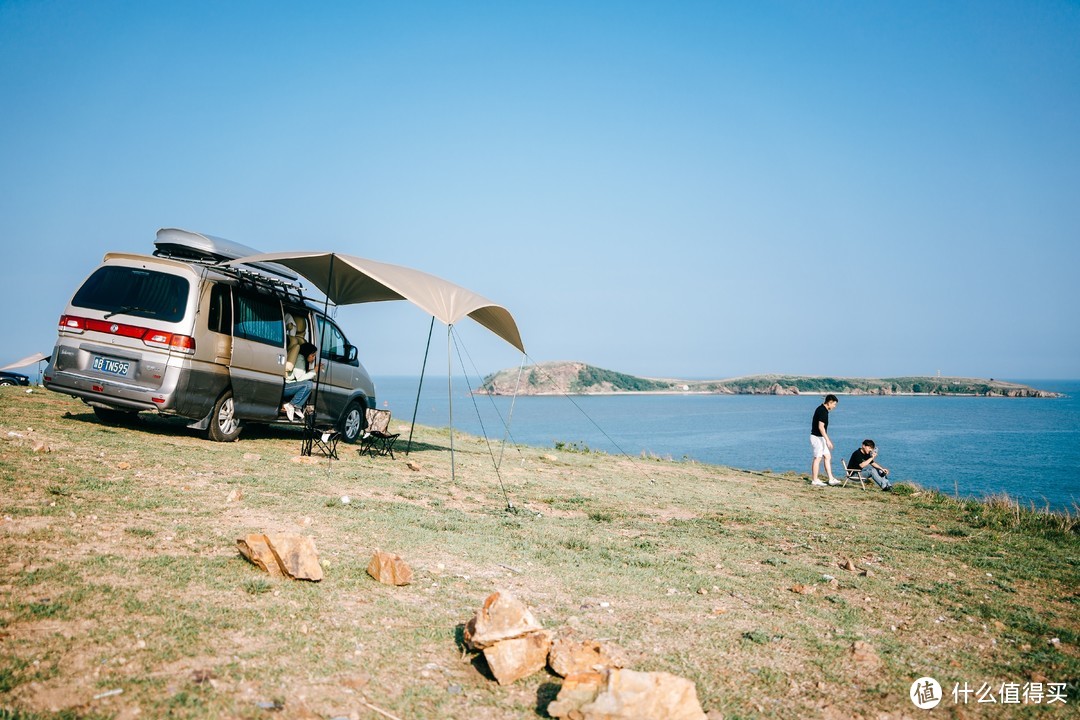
(423, 368)
(450, 398)
(309, 419)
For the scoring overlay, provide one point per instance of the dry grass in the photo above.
(119, 572)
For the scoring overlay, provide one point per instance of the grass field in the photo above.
(122, 593)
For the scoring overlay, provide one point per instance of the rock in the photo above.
(519, 657)
(865, 655)
(296, 556)
(389, 569)
(501, 617)
(573, 657)
(256, 549)
(626, 695)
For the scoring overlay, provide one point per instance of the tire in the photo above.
(224, 427)
(111, 416)
(6, 382)
(352, 423)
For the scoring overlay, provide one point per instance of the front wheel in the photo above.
(224, 426)
(352, 422)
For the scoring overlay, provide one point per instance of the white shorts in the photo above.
(820, 447)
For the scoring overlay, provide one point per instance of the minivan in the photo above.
(178, 334)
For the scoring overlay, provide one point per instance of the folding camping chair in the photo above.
(852, 474)
(376, 440)
(322, 437)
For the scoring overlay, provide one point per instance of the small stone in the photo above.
(571, 657)
(519, 657)
(305, 460)
(865, 655)
(389, 569)
(501, 617)
(626, 694)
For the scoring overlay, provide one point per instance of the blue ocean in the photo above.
(1028, 448)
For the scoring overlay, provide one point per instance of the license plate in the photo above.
(113, 367)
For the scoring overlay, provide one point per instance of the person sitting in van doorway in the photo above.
(298, 383)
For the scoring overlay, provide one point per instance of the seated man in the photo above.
(298, 383)
(865, 461)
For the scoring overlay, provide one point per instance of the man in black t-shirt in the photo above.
(820, 442)
(865, 461)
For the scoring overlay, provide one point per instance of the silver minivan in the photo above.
(178, 334)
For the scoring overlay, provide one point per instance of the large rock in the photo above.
(282, 554)
(501, 617)
(519, 657)
(389, 569)
(571, 657)
(256, 550)
(296, 555)
(626, 695)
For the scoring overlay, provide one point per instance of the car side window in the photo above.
(219, 314)
(331, 341)
(259, 318)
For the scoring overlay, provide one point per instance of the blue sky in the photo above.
(667, 189)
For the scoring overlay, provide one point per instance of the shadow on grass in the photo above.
(545, 695)
(178, 427)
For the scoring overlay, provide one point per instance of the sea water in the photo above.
(1028, 448)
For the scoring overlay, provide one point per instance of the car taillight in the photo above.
(72, 324)
(170, 341)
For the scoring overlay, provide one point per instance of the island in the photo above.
(578, 378)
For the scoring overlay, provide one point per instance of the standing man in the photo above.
(820, 442)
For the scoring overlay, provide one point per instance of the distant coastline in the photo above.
(578, 378)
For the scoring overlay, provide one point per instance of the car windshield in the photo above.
(134, 291)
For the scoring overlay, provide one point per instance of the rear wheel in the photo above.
(112, 416)
(224, 426)
(352, 422)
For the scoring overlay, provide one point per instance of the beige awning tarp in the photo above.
(347, 280)
(29, 360)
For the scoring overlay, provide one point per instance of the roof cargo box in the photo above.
(188, 245)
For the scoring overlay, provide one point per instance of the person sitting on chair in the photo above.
(864, 460)
(298, 383)
(295, 329)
